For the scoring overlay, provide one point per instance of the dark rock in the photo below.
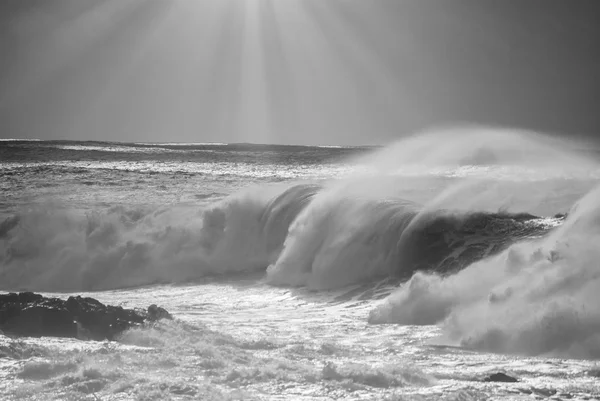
(157, 313)
(29, 314)
(500, 377)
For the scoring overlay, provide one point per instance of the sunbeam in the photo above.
(383, 91)
(289, 71)
(282, 94)
(119, 58)
(254, 114)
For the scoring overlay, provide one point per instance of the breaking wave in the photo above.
(387, 222)
(338, 241)
(534, 298)
(305, 235)
(52, 249)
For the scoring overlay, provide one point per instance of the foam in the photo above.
(536, 298)
(53, 249)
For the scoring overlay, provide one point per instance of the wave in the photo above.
(344, 232)
(303, 235)
(338, 241)
(535, 298)
(341, 240)
(53, 249)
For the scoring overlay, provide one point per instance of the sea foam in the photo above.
(535, 298)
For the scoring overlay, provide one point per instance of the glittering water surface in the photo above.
(92, 174)
(235, 336)
(244, 340)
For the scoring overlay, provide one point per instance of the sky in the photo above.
(347, 72)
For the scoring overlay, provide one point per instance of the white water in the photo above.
(536, 298)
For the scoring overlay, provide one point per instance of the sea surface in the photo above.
(406, 272)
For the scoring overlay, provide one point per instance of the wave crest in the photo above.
(338, 240)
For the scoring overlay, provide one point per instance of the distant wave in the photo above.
(19, 140)
(180, 143)
(138, 147)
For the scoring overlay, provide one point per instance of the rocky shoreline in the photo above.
(33, 315)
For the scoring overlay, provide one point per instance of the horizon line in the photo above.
(176, 143)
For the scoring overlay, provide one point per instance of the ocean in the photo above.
(404, 272)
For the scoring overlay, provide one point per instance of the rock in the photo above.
(500, 377)
(29, 314)
(41, 320)
(157, 313)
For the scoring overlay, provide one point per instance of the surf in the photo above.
(534, 298)
(436, 201)
(300, 237)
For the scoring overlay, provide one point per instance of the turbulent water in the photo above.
(405, 272)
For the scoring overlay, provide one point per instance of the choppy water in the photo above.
(287, 268)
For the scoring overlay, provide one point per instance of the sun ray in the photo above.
(320, 88)
(281, 92)
(253, 119)
(120, 58)
(224, 77)
(382, 103)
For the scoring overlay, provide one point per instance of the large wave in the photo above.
(339, 240)
(439, 200)
(307, 236)
(534, 298)
(431, 202)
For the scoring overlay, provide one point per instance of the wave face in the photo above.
(280, 213)
(337, 240)
(446, 241)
